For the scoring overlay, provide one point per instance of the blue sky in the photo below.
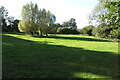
(62, 9)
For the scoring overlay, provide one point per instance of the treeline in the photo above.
(36, 21)
(8, 23)
(41, 21)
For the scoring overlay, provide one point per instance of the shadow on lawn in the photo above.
(75, 38)
(29, 59)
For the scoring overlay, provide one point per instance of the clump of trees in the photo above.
(87, 30)
(35, 20)
(106, 15)
(70, 23)
(7, 23)
(42, 21)
(68, 27)
(67, 30)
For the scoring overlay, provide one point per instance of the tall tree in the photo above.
(3, 12)
(10, 20)
(106, 14)
(15, 26)
(46, 19)
(72, 23)
(35, 19)
(29, 21)
(3, 16)
(98, 12)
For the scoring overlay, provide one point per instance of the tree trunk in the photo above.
(37, 33)
(41, 33)
(46, 34)
(32, 33)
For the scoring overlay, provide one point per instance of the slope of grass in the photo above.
(59, 56)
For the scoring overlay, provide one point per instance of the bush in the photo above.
(67, 30)
(102, 31)
(52, 30)
(105, 31)
(88, 30)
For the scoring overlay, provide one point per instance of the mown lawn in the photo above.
(58, 56)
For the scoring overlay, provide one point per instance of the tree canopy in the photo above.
(70, 23)
(35, 19)
(106, 15)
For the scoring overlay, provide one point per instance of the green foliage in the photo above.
(3, 13)
(8, 23)
(3, 17)
(103, 31)
(95, 31)
(46, 20)
(88, 30)
(68, 27)
(67, 30)
(57, 25)
(29, 21)
(21, 26)
(106, 15)
(115, 33)
(15, 26)
(35, 20)
(52, 29)
(70, 23)
(4, 26)
(65, 24)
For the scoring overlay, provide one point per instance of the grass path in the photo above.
(60, 56)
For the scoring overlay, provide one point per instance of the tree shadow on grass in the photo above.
(29, 59)
(75, 38)
(18, 33)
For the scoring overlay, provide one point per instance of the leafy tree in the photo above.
(21, 26)
(67, 30)
(4, 26)
(15, 26)
(101, 30)
(57, 25)
(8, 24)
(29, 21)
(88, 30)
(68, 27)
(3, 13)
(65, 24)
(107, 16)
(115, 33)
(46, 20)
(112, 16)
(53, 28)
(72, 23)
(36, 20)
(98, 12)
(3, 16)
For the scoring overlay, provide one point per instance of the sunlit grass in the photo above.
(59, 56)
(89, 45)
(88, 75)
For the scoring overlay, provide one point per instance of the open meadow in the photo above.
(58, 56)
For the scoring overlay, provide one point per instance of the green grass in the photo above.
(59, 56)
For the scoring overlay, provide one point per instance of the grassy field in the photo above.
(58, 56)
